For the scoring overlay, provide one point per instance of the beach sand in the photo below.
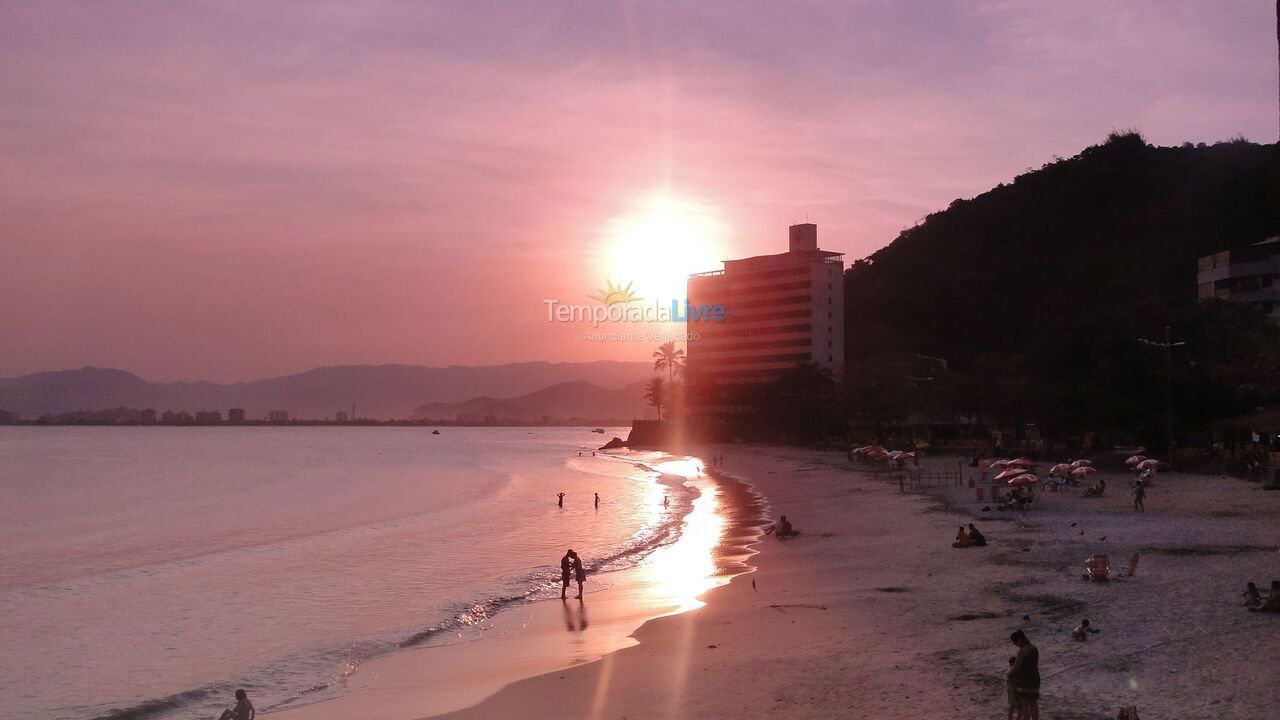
(871, 614)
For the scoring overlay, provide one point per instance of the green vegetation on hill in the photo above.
(1036, 292)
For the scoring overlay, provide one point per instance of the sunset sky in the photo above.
(226, 191)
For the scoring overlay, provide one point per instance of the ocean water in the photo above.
(148, 572)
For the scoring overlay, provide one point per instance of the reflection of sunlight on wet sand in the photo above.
(680, 572)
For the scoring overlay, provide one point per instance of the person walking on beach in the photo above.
(560, 499)
(1025, 676)
(1139, 493)
(597, 501)
(579, 573)
(243, 709)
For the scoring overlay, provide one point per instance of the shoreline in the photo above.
(871, 613)
(532, 640)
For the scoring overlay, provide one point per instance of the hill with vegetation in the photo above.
(1030, 299)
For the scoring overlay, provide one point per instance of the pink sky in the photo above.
(225, 191)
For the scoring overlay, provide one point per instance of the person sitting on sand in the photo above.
(783, 529)
(1272, 603)
(1081, 633)
(962, 539)
(976, 539)
(243, 710)
(1252, 598)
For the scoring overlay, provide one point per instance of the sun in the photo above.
(659, 242)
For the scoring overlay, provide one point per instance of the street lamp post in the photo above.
(1168, 345)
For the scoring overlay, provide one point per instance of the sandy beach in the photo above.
(870, 613)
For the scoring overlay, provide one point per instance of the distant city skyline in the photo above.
(204, 191)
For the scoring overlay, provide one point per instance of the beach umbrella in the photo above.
(1083, 470)
(998, 464)
(1148, 464)
(1059, 470)
(1024, 460)
(1010, 474)
(1081, 463)
(1024, 480)
(1134, 459)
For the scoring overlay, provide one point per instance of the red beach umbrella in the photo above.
(1059, 470)
(1135, 459)
(1024, 480)
(1010, 473)
(1083, 471)
(1081, 463)
(1148, 464)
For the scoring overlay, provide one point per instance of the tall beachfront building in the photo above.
(782, 310)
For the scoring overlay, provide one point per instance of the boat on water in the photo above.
(598, 430)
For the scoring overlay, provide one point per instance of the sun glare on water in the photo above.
(662, 240)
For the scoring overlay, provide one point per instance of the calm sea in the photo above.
(147, 572)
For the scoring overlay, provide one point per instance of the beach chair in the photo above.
(1097, 568)
(1133, 565)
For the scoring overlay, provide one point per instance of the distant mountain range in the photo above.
(381, 391)
(578, 399)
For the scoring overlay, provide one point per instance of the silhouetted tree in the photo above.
(668, 358)
(655, 391)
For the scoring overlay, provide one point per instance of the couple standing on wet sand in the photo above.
(571, 564)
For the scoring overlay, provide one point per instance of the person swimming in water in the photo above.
(560, 499)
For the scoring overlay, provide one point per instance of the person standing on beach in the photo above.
(580, 573)
(1139, 493)
(566, 567)
(597, 501)
(243, 709)
(1025, 676)
(560, 499)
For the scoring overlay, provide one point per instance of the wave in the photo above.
(157, 706)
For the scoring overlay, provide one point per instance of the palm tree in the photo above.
(668, 358)
(656, 393)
